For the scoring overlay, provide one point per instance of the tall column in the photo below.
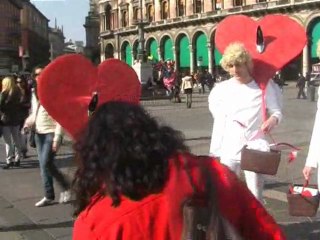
(210, 66)
(305, 60)
(191, 59)
(227, 4)
(159, 54)
(157, 10)
(189, 7)
(130, 12)
(249, 2)
(173, 9)
(102, 21)
(208, 6)
(174, 57)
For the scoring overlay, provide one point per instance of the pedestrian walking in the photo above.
(236, 106)
(134, 175)
(25, 109)
(10, 112)
(301, 84)
(187, 88)
(48, 138)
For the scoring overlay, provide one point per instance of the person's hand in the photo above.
(307, 171)
(269, 124)
(55, 146)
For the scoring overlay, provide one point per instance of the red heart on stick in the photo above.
(66, 86)
(284, 40)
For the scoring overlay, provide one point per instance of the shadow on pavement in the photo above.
(36, 226)
(302, 231)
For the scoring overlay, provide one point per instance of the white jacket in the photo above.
(313, 158)
(231, 103)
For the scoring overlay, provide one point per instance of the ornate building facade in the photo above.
(184, 30)
(10, 35)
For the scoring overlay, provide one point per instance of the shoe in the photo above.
(44, 202)
(17, 163)
(65, 197)
(8, 165)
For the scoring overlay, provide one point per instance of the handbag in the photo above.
(32, 139)
(259, 161)
(201, 218)
(303, 203)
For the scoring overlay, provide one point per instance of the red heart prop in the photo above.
(66, 85)
(284, 40)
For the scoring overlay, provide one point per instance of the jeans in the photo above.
(12, 133)
(47, 167)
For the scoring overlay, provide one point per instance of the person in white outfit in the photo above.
(186, 88)
(237, 108)
(313, 158)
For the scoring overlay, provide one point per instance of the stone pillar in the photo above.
(227, 4)
(305, 60)
(102, 20)
(191, 59)
(130, 13)
(159, 54)
(174, 57)
(173, 9)
(157, 10)
(208, 6)
(210, 67)
(189, 7)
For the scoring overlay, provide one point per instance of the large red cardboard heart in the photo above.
(284, 40)
(66, 86)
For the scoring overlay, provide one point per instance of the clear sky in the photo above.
(69, 13)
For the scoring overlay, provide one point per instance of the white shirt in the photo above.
(313, 158)
(233, 104)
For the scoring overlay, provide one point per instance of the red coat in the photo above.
(158, 216)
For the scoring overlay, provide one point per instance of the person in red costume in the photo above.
(132, 180)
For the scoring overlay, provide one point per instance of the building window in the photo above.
(107, 19)
(164, 10)
(181, 7)
(237, 3)
(150, 13)
(259, 1)
(135, 13)
(217, 4)
(197, 6)
(124, 20)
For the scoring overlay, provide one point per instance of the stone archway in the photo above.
(126, 53)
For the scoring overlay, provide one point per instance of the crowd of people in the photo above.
(21, 113)
(135, 177)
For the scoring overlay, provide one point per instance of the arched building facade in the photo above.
(184, 30)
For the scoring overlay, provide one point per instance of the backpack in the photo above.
(201, 218)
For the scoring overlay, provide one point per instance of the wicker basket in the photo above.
(260, 162)
(303, 205)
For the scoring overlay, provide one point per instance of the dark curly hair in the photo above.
(123, 151)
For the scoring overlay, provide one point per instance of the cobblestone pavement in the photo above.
(21, 187)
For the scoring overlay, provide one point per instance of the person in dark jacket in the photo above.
(10, 108)
(301, 85)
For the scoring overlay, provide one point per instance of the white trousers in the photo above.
(254, 181)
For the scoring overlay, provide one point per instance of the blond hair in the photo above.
(8, 84)
(235, 54)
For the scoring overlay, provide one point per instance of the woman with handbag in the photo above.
(48, 134)
(237, 108)
(10, 108)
